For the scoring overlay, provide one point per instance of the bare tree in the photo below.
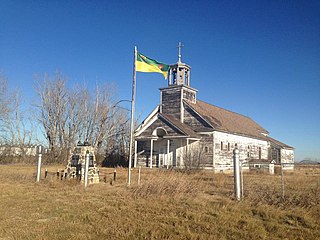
(17, 129)
(193, 155)
(69, 115)
(5, 101)
(53, 109)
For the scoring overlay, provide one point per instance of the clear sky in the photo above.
(257, 58)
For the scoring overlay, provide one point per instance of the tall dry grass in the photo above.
(167, 205)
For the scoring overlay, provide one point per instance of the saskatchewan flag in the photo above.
(145, 64)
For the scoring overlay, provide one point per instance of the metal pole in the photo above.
(236, 172)
(241, 169)
(86, 171)
(132, 114)
(39, 165)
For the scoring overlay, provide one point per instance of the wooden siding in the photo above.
(192, 119)
(159, 123)
(171, 101)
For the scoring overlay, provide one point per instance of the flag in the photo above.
(145, 64)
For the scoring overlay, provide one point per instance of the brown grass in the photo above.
(167, 205)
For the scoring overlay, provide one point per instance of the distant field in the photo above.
(167, 205)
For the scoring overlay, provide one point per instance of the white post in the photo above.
(151, 152)
(39, 165)
(168, 153)
(236, 172)
(86, 170)
(139, 176)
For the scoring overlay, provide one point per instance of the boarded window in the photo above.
(228, 146)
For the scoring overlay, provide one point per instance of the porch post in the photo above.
(151, 150)
(168, 152)
(135, 153)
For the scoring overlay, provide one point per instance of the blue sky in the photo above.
(257, 58)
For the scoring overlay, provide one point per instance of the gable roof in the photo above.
(227, 121)
(278, 143)
(183, 127)
(173, 123)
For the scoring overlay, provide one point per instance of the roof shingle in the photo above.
(227, 121)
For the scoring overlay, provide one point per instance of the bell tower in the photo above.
(172, 97)
(179, 73)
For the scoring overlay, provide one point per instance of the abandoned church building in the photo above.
(183, 131)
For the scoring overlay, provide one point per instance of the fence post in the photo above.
(115, 175)
(139, 176)
(242, 191)
(39, 164)
(236, 172)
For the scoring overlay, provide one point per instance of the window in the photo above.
(228, 146)
(221, 145)
(259, 152)
(159, 132)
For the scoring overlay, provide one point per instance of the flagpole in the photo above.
(132, 114)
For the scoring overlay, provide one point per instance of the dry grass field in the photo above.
(167, 205)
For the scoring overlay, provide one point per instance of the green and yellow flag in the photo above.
(145, 64)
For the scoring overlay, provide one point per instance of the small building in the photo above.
(262, 165)
(185, 132)
(77, 162)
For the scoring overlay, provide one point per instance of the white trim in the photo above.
(146, 121)
(144, 126)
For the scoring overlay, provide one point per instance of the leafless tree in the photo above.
(5, 101)
(69, 115)
(194, 155)
(17, 130)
